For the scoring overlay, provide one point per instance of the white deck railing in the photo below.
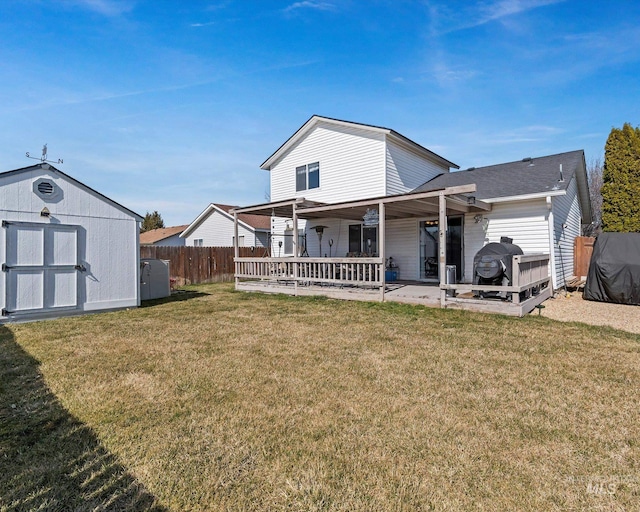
(338, 271)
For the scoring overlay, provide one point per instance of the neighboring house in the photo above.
(330, 172)
(64, 248)
(214, 228)
(164, 236)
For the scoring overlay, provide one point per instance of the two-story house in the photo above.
(358, 185)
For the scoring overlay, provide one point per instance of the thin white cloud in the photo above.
(310, 4)
(105, 7)
(67, 98)
(505, 8)
(206, 24)
(445, 20)
(446, 76)
(532, 133)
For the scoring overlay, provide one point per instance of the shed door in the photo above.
(41, 267)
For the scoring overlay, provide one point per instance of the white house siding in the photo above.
(524, 221)
(351, 165)
(406, 170)
(107, 237)
(172, 241)
(402, 246)
(262, 239)
(567, 220)
(216, 230)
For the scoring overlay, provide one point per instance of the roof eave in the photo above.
(197, 221)
(525, 197)
(421, 149)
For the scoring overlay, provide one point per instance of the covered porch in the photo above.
(366, 276)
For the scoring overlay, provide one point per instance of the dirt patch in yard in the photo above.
(573, 308)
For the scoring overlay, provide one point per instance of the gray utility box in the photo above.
(154, 279)
(450, 278)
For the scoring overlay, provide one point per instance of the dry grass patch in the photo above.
(237, 401)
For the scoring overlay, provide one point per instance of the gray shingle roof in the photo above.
(525, 177)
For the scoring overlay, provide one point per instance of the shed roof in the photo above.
(156, 235)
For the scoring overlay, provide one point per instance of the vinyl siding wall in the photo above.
(172, 241)
(217, 231)
(524, 221)
(402, 246)
(566, 211)
(406, 170)
(351, 165)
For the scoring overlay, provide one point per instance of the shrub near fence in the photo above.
(195, 265)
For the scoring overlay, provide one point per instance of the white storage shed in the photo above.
(64, 248)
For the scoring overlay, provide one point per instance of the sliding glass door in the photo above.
(429, 248)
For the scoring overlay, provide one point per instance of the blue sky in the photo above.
(169, 106)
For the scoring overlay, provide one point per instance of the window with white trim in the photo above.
(308, 176)
(198, 242)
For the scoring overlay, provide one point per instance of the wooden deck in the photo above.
(364, 279)
(408, 292)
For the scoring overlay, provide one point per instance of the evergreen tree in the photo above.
(152, 221)
(621, 181)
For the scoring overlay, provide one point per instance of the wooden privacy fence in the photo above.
(195, 265)
(582, 251)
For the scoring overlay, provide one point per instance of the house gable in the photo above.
(355, 161)
(214, 227)
(351, 164)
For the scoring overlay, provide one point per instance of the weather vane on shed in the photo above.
(43, 158)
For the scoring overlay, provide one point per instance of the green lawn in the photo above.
(218, 400)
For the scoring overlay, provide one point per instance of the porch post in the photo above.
(236, 250)
(442, 246)
(296, 250)
(382, 246)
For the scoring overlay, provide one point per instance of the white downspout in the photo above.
(552, 246)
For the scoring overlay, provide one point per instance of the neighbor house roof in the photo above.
(48, 167)
(250, 221)
(530, 177)
(156, 235)
(315, 120)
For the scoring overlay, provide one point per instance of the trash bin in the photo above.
(450, 278)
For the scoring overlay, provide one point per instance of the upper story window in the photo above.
(308, 176)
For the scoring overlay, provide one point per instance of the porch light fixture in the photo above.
(320, 230)
(477, 218)
(471, 200)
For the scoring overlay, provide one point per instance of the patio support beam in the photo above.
(296, 250)
(442, 246)
(236, 250)
(382, 246)
(327, 209)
